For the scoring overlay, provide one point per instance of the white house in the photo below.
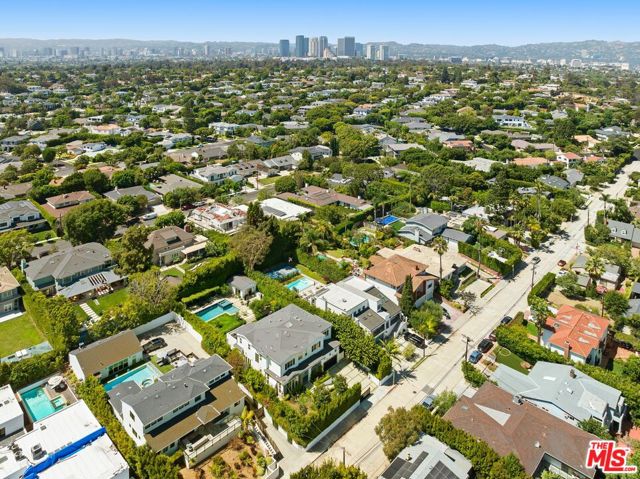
(11, 415)
(106, 357)
(219, 217)
(510, 121)
(290, 347)
(283, 210)
(217, 174)
(224, 128)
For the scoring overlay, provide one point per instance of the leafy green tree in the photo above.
(135, 205)
(173, 218)
(15, 246)
(48, 155)
(508, 467)
(150, 465)
(398, 429)
(188, 118)
(255, 215)
(126, 178)
(595, 427)
(286, 184)
(631, 368)
(443, 402)
(180, 197)
(426, 320)
(569, 286)
(615, 304)
(93, 221)
(251, 245)
(95, 180)
(329, 470)
(406, 299)
(131, 254)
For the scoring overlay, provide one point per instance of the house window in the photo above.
(315, 347)
(132, 416)
(289, 364)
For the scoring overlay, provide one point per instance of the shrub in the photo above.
(542, 287)
(204, 295)
(328, 269)
(510, 252)
(516, 340)
(472, 375)
(213, 272)
(29, 370)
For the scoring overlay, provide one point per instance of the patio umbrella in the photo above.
(55, 381)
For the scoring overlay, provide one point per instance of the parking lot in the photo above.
(176, 338)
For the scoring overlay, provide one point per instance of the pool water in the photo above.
(215, 310)
(38, 405)
(300, 284)
(143, 376)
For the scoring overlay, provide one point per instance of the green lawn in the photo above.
(43, 235)
(174, 272)
(164, 368)
(268, 181)
(336, 253)
(532, 328)
(397, 225)
(312, 274)
(506, 357)
(227, 322)
(80, 313)
(110, 300)
(17, 334)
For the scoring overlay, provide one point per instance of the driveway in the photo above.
(177, 338)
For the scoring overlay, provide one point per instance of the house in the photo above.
(11, 415)
(281, 163)
(510, 121)
(574, 176)
(424, 227)
(316, 196)
(9, 292)
(290, 347)
(568, 158)
(20, 214)
(479, 164)
(283, 210)
(338, 179)
(396, 149)
(10, 142)
(356, 298)
(610, 132)
(454, 237)
(171, 182)
(555, 182)
(171, 244)
(566, 393)
(217, 174)
(224, 128)
(586, 139)
(316, 152)
(428, 458)
(576, 334)
(389, 275)
(152, 198)
(243, 286)
(187, 406)
(66, 200)
(250, 168)
(111, 129)
(464, 144)
(107, 357)
(219, 217)
(624, 232)
(540, 440)
(75, 272)
(207, 152)
(68, 444)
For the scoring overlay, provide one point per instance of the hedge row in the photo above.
(542, 287)
(359, 346)
(214, 340)
(211, 273)
(472, 375)
(511, 253)
(205, 294)
(29, 370)
(328, 269)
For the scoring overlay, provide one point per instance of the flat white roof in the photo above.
(9, 407)
(340, 298)
(98, 460)
(290, 210)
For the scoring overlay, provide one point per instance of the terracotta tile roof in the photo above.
(395, 269)
(578, 329)
(523, 429)
(530, 161)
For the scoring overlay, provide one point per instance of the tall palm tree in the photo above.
(517, 233)
(605, 198)
(540, 312)
(594, 267)
(393, 350)
(440, 246)
(479, 224)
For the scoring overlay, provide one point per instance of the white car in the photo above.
(562, 272)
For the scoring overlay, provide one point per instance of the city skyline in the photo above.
(498, 22)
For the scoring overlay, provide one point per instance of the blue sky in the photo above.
(462, 22)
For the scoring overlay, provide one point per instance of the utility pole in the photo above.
(466, 340)
(533, 274)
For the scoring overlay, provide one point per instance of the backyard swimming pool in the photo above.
(217, 309)
(143, 376)
(300, 284)
(39, 405)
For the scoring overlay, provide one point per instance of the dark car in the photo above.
(562, 263)
(187, 207)
(535, 260)
(475, 356)
(485, 345)
(414, 339)
(153, 345)
(428, 402)
(446, 314)
(506, 320)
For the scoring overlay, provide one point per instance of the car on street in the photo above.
(446, 313)
(414, 339)
(535, 259)
(428, 402)
(485, 345)
(506, 320)
(562, 263)
(153, 345)
(562, 272)
(475, 356)
(492, 336)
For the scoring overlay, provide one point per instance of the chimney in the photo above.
(567, 350)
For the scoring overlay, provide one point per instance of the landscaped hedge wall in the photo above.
(328, 269)
(358, 345)
(205, 294)
(472, 375)
(510, 252)
(542, 287)
(214, 340)
(29, 370)
(211, 273)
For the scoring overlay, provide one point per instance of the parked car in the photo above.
(187, 207)
(535, 260)
(475, 356)
(150, 216)
(153, 345)
(485, 345)
(415, 339)
(428, 401)
(506, 320)
(446, 313)
(562, 263)
(492, 336)
(562, 272)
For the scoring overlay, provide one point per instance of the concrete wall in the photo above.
(159, 321)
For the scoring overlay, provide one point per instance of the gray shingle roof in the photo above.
(429, 220)
(68, 262)
(11, 209)
(286, 332)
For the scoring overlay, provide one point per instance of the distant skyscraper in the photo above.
(1, 52)
(284, 48)
(383, 53)
(313, 46)
(347, 47)
(371, 51)
(359, 50)
(302, 46)
(323, 43)
(207, 50)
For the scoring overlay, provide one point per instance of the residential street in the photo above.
(441, 370)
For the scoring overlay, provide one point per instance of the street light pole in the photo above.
(466, 340)
(533, 274)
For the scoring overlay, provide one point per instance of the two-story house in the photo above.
(216, 174)
(187, 406)
(389, 275)
(566, 393)
(20, 214)
(74, 272)
(368, 307)
(107, 357)
(9, 292)
(290, 347)
(219, 217)
(424, 227)
(171, 244)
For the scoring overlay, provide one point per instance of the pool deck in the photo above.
(68, 396)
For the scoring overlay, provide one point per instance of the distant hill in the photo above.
(592, 50)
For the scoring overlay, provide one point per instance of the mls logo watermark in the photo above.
(609, 457)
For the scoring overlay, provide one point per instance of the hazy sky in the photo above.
(462, 22)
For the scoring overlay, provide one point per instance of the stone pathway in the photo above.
(93, 316)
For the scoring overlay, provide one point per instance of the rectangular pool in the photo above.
(300, 284)
(217, 309)
(143, 376)
(38, 404)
